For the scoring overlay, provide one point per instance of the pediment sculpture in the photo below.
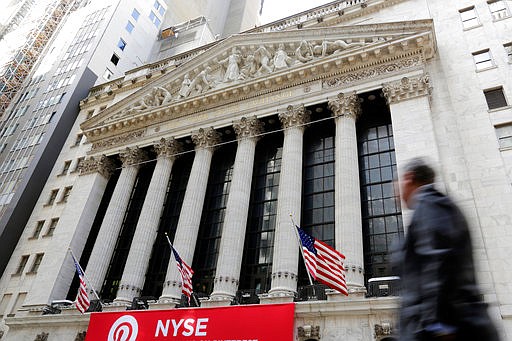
(235, 68)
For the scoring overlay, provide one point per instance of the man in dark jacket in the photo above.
(440, 297)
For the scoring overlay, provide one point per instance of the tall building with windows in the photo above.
(311, 116)
(96, 43)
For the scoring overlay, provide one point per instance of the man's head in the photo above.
(416, 173)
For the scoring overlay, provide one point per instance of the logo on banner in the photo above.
(125, 328)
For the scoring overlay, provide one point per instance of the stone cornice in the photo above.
(407, 88)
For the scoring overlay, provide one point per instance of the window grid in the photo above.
(53, 196)
(381, 212)
(129, 26)
(259, 238)
(504, 134)
(499, 9)
(212, 219)
(51, 228)
(65, 194)
(508, 51)
(65, 169)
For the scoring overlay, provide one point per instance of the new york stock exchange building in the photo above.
(222, 146)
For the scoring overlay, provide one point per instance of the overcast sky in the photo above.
(277, 9)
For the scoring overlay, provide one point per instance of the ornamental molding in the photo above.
(308, 331)
(80, 336)
(133, 157)
(97, 164)
(252, 65)
(169, 148)
(118, 140)
(247, 127)
(294, 116)
(345, 105)
(205, 137)
(407, 88)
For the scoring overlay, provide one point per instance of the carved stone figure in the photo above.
(162, 96)
(332, 47)
(304, 53)
(202, 82)
(281, 59)
(232, 65)
(249, 69)
(263, 58)
(185, 86)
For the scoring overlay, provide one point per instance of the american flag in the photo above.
(82, 299)
(186, 274)
(324, 263)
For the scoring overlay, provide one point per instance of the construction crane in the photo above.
(16, 70)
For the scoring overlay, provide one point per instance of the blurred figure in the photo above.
(440, 297)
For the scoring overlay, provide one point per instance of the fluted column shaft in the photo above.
(190, 215)
(348, 223)
(147, 225)
(237, 209)
(113, 220)
(286, 250)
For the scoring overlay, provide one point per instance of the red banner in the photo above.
(266, 322)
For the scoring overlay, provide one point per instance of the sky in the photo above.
(277, 9)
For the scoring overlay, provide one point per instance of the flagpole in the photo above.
(301, 251)
(85, 276)
(191, 294)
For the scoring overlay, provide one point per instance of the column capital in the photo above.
(347, 105)
(247, 127)
(205, 137)
(407, 88)
(133, 156)
(294, 116)
(98, 164)
(168, 148)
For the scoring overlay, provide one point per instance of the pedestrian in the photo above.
(440, 297)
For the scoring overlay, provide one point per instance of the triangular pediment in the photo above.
(247, 65)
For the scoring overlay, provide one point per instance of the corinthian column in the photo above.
(190, 215)
(285, 257)
(237, 208)
(113, 220)
(147, 226)
(348, 225)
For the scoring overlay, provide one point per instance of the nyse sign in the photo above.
(241, 323)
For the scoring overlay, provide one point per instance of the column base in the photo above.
(162, 306)
(115, 307)
(169, 300)
(216, 302)
(277, 297)
(122, 300)
(353, 293)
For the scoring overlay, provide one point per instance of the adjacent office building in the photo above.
(311, 116)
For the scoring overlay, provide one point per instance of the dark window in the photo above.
(65, 169)
(78, 163)
(161, 253)
(78, 139)
(37, 230)
(51, 228)
(21, 265)
(261, 224)
(212, 219)
(495, 98)
(124, 239)
(66, 193)
(37, 263)
(318, 186)
(114, 59)
(53, 195)
(380, 207)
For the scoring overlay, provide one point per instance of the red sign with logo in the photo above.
(268, 322)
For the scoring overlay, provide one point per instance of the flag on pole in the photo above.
(324, 263)
(82, 299)
(186, 274)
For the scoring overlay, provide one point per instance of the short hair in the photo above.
(422, 172)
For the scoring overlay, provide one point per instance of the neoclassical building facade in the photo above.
(225, 148)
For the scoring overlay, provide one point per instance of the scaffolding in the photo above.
(15, 71)
(17, 18)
